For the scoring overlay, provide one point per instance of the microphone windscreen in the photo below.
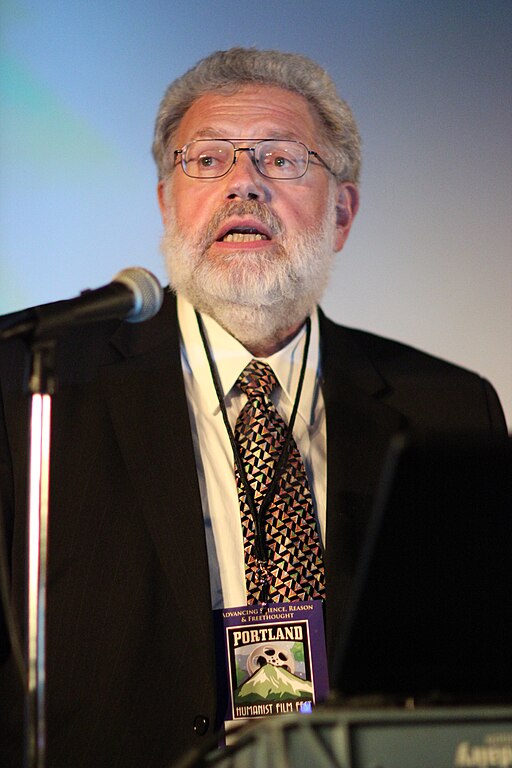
(147, 291)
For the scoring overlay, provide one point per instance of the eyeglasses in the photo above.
(273, 158)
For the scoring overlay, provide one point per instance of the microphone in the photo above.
(134, 294)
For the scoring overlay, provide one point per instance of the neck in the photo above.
(262, 330)
(267, 347)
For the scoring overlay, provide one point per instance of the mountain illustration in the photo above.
(271, 683)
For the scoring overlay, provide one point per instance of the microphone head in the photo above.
(147, 292)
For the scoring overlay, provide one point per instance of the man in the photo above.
(258, 162)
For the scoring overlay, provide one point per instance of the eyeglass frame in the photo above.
(310, 153)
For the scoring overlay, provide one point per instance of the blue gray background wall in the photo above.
(429, 259)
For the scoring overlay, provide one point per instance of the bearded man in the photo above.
(157, 515)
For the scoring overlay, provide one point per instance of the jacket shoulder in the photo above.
(427, 388)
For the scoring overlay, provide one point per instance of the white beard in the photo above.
(259, 296)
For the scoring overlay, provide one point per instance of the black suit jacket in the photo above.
(131, 672)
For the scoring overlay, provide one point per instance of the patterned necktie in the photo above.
(295, 564)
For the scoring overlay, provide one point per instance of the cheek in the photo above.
(307, 215)
(308, 204)
(193, 208)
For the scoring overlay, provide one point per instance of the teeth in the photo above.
(242, 237)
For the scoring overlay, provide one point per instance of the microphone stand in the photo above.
(41, 385)
(135, 295)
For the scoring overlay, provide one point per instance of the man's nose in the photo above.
(244, 181)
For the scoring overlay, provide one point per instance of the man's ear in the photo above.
(162, 202)
(347, 205)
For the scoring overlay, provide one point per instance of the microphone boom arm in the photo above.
(134, 295)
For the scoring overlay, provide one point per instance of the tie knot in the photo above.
(257, 379)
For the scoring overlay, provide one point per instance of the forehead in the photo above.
(251, 112)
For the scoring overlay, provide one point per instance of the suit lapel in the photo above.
(148, 406)
(359, 428)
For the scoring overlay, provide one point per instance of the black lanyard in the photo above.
(258, 516)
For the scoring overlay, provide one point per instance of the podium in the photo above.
(446, 737)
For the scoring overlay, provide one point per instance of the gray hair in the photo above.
(227, 71)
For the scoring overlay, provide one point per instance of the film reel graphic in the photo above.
(276, 654)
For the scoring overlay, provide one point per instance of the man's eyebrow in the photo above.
(215, 133)
(207, 133)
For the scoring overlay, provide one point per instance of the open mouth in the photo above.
(243, 232)
(243, 235)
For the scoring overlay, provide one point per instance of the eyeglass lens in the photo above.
(275, 158)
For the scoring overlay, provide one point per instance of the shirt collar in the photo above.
(231, 357)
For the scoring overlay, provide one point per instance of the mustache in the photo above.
(254, 208)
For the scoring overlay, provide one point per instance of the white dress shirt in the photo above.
(213, 452)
